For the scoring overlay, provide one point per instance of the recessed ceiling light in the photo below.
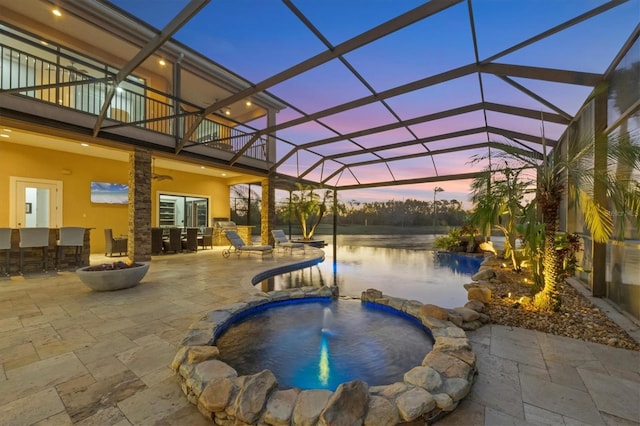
(227, 112)
(202, 167)
(224, 174)
(2, 135)
(56, 12)
(248, 103)
(7, 130)
(162, 62)
(84, 144)
(44, 43)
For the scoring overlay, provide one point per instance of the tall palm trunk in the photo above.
(549, 298)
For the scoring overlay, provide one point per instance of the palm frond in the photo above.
(596, 217)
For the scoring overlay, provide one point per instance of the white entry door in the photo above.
(35, 203)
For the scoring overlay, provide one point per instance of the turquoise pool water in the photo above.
(321, 344)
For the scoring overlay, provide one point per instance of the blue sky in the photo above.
(259, 38)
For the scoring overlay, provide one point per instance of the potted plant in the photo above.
(113, 276)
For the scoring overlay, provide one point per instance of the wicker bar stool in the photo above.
(5, 245)
(70, 236)
(34, 238)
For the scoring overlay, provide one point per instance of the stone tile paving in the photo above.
(71, 356)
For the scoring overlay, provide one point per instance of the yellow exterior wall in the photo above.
(25, 161)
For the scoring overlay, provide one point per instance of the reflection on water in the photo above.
(402, 266)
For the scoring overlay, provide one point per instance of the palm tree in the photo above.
(308, 207)
(573, 174)
(497, 197)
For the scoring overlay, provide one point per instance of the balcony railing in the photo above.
(83, 86)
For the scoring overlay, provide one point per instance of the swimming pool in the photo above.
(329, 343)
(404, 266)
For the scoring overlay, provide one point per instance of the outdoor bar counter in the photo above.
(33, 256)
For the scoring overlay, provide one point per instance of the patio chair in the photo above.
(114, 244)
(282, 242)
(190, 241)
(239, 246)
(156, 240)
(174, 243)
(206, 239)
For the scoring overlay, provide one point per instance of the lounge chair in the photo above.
(282, 242)
(239, 246)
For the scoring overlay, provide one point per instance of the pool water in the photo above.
(321, 344)
(401, 266)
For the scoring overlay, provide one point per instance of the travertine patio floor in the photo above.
(72, 356)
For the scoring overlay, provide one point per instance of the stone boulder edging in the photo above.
(428, 391)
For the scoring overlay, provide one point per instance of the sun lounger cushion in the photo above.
(239, 245)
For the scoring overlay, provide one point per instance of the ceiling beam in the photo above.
(421, 12)
(537, 97)
(426, 179)
(527, 113)
(518, 135)
(539, 73)
(396, 91)
(558, 28)
(402, 145)
(383, 128)
(496, 145)
(518, 111)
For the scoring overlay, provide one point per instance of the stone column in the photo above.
(268, 211)
(139, 241)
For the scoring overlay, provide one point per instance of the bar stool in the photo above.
(34, 238)
(5, 245)
(70, 236)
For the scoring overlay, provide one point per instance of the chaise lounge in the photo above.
(282, 242)
(239, 246)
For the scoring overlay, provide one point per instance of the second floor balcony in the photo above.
(79, 86)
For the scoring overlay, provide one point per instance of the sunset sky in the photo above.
(259, 38)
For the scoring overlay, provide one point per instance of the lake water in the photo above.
(404, 266)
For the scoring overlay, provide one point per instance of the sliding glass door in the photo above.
(183, 211)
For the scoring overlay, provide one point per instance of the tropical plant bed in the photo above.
(577, 318)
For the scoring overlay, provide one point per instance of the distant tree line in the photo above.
(408, 212)
(245, 209)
